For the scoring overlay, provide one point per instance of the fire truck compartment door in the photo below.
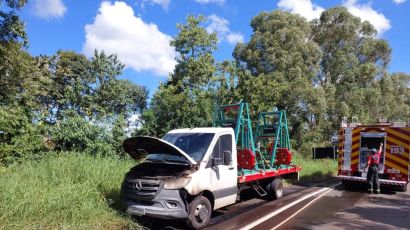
(347, 150)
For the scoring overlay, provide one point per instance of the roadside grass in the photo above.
(315, 169)
(64, 191)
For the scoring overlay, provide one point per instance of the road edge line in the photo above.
(303, 208)
(272, 214)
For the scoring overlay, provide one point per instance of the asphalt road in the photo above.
(355, 209)
(250, 201)
(331, 209)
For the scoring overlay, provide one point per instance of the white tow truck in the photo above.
(191, 172)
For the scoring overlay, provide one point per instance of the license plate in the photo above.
(137, 211)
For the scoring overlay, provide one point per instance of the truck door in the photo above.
(223, 171)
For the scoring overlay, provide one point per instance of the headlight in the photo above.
(176, 183)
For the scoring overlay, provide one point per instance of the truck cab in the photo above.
(185, 175)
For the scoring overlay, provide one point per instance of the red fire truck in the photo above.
(356, 142)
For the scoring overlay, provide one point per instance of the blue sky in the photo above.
(139, 30)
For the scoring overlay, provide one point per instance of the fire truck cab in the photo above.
(356, 142)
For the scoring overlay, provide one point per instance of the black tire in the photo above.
(347, 184)
(199, 212)
(275, 189)
(403, 188)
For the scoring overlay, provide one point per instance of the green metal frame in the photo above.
(280, 132)
(241, 123)
(243, 127)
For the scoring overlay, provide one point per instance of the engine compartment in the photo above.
(155, 170)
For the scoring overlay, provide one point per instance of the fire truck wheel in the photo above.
(347, 184)
(403, 188)
(275, 189)
(199, 212)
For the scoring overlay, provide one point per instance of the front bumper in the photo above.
(167, 204)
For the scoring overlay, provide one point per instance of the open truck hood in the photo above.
(140, 146)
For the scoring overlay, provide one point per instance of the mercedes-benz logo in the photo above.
(137, 186)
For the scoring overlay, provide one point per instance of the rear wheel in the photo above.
(275, 189)
(347, 184)
(403, 188)
(199, 212)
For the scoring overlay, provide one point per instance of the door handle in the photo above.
(231, 167)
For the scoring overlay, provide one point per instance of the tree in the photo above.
(11, 28)
(281, 61)
(225, 85)
(75, 133)
(20, 139)
(195, 63)
(185, 99)
(90, 87)
(88, 102)
(63, 102)
(15, 61)
(394, 97)
(353, 61)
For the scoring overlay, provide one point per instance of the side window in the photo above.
(216, 152)
(224, 143)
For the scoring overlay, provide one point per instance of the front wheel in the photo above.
(199, 212)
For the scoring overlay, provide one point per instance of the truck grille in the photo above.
(141, 189)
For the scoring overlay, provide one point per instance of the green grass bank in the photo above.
(313, 170)
(64, 191)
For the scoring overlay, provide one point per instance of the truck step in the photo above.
(259, 190)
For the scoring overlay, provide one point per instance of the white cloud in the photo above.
(218, 25)
(133, 123)
(220, 2)
(163, 3)
(399, 1)
(366, 12)
(234, 38)
(309, 10)
(305, 8)
(221, 27)
(139, 45)
(49, 8)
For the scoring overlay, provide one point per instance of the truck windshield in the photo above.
(194, 144)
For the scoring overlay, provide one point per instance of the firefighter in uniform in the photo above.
(373, 172)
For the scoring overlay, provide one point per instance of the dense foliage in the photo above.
(65, 101)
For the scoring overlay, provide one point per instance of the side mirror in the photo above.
(227, 157)
(216, 161)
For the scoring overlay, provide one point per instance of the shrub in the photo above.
(77, 134)
(20, 139)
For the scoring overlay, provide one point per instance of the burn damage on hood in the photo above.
(153, 167)
(149, 170)
(142, 146)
